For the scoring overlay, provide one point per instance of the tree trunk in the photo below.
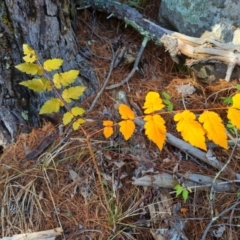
(46, 26)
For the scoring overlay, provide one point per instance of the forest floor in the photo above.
(61, 188)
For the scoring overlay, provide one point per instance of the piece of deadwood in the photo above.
(42, 235)
(165, 180)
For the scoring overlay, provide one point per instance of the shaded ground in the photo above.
(61, 187)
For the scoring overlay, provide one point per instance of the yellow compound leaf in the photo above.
(52, 64)
(65, 79)
(77, 123)
(234, 116)
(108, 128)
(125, 112)
(37, 84)
(73, 93)
(153, 103)
(67, 118)
(191, 130)
(29, 68)
(214, 127)
(30, 58)
(127, 128)
(52, 105)
(155, 129)
(236, 101)
(30, 54)
(77, 111)
(27, 50)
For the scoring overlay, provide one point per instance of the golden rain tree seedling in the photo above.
(42, 83)
(209, 125)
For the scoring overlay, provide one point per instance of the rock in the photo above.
(217, 19)
(202, 18)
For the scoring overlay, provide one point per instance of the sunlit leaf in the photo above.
(178, 189)
(155, 129)
(27, 50)
(52, 64)
(108, 128)
(65, 78)
(152, 103)
(191, 130)
(127, 128)
(30, 55)
(126, 112)
(77, 123)
(185, 194)
(236, 101)
(51, 106)
(37, 84)
(73, 93)
(30, 58)
(77, 111)
(29, 68)
(234, 116)
(214, 127)
(67, 118)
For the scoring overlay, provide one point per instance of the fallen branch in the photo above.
(43, 235)
(193, 181)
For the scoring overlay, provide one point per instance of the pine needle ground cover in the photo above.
(61, 187)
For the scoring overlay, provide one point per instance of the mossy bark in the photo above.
(46, 26)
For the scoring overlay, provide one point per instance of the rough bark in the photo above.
(46, 26)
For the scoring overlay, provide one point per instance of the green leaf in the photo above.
(167, 102)
(52, 64)
(73, 93)
(51, 106)
(227, 100)
(65, 79)
(238, 87)
(185, 194)
(166, 95)
(67, 118)
(37, 84)
(77, 111)
(29, 68)
(178, 189)
(170, 107)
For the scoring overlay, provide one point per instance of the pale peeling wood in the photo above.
(198, 181)
(42, 235)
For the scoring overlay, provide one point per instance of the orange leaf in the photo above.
(127, 128)
(236, 100)
(155, 129)
(214, 127)
(234, 116)
(126, 112)
(153, 103)
(191, 130)
(108, 128)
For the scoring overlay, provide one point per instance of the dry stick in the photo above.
(186, 147)
(135, 66)
(217, 217)
(212, 191)
(106, 81)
